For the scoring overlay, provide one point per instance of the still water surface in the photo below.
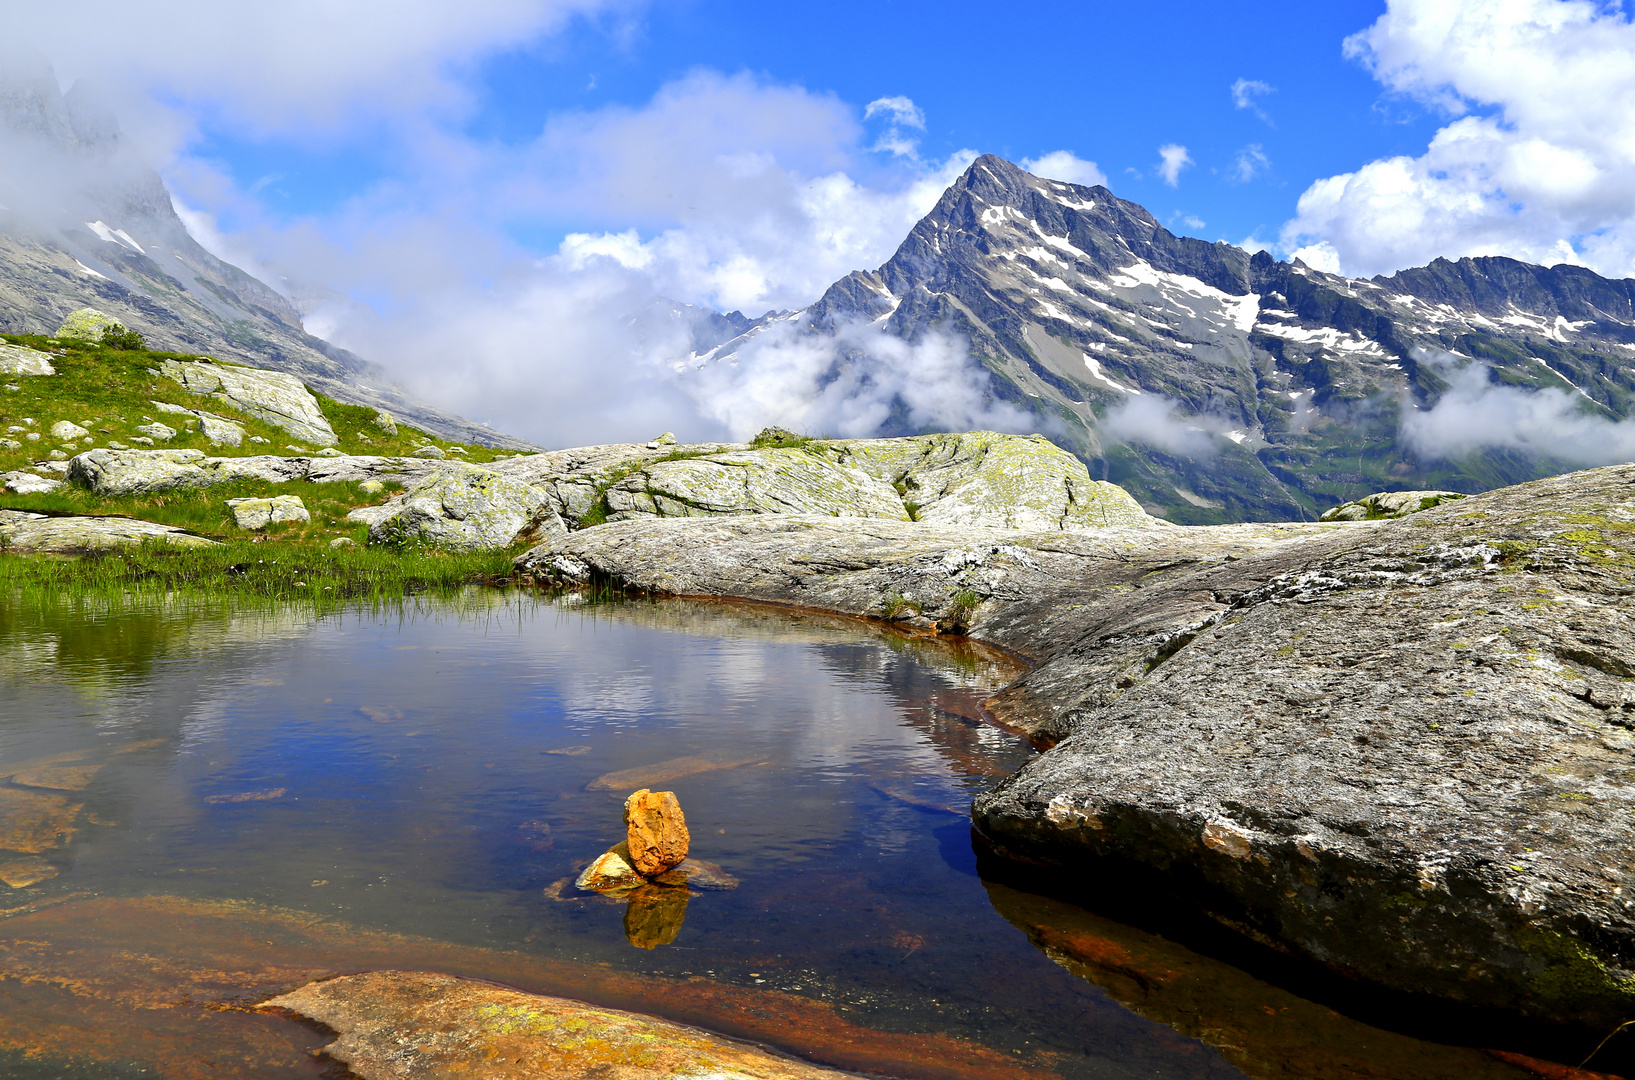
(431, 772)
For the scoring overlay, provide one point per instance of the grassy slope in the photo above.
(109, 392)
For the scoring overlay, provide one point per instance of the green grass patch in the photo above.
(204, 510)
(246, 571)
(111, 391)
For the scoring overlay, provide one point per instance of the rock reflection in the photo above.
(653, 915)
(1265, 1031)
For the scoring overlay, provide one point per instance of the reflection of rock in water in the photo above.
(653, 915)
(1265, 1031)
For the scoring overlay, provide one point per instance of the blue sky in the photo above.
(1110, 82)
(506, 197)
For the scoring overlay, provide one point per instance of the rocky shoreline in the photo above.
(1399, 749)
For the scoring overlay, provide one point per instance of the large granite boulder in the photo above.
(983, 479)
(270, 396)
(85, 324)
(129, 472)
(460, 507)
(21, 360)
(22, 531)
(218, 429)
(771, 481)
(1402, 751)
(401, 1025)
(990, 480)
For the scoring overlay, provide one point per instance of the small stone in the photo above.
(14, 388)
(33, 436)
(161, 432)
(142, 440)
(57, 455)
(371, 487)
(385, 422)
(655, 830)
(667, 439)
(259, 439)
(11, 444)
(457, 450)
(609, 873)
(259, 513)
(329, 451)
(297, 449)
(430, 452)
(64, 430)
(342, 542)
(117, 446)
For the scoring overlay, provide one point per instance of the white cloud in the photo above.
(1172, 159)
(1244, 93)
(901, 112)
(1156, 421)
(850, 385)
(1067, 167)
(301, 66)
(1478, 414)
(1250, 163)
(1536, 161)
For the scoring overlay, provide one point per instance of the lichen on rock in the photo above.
(270, 396)
(461, 507)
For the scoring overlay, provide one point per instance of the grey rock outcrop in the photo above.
(270, 396)
(67, 429)
(460, 507)
(21, 531)
(218, 429)
(128, 472)
(257, 514)
(979, 479)
(25, 483)
(1389, 504)
(1399, 749)
(21, 360)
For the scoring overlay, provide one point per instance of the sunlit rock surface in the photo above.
(257, 514)
(1397, 748)
(460, 507)
(21, 360)
(23, 531)
(270, 396)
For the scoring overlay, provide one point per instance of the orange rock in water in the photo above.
(655, 830)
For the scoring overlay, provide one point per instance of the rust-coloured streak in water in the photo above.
(166, 981)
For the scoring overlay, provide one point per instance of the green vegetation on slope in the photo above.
(110, 391)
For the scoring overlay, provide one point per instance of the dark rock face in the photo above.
(1075, 300)
(1401, 749)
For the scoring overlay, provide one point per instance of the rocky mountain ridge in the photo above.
(1288, 384)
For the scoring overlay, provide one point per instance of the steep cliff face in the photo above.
(1080, 303)
(85, 224)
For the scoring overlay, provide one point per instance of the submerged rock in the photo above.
(34, 821)
(397, 1025)
(21, 873)
(258, 513)
(270, 396)
(656, 831)
(666, 771)
(461, 507)
(697, 874)
(1389, 504)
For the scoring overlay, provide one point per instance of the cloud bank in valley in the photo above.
(1476, 413)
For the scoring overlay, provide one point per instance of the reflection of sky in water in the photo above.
(393, 770)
